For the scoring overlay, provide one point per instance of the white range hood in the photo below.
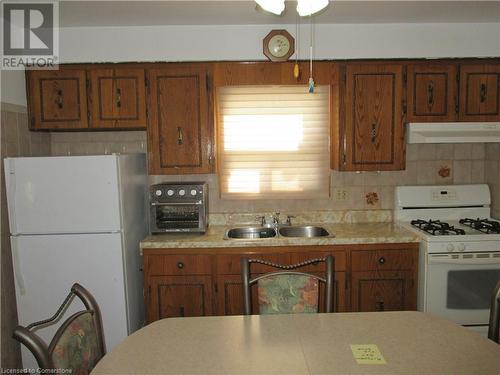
(453, 132)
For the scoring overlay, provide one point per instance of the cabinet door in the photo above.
(179, 128)
(373, 131)
(432, 93)
(178, 296)
(383, 291)
(118, 98)
(57, 99)
(479, 92)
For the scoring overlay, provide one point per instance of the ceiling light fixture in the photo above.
(309, 7)
(304, 7)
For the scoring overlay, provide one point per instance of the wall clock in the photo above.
(279, 45)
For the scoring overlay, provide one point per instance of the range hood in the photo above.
(453, 132)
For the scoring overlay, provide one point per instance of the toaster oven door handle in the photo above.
(199, 203)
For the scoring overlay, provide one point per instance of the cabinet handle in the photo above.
(374, 133)
(118, 97)
(180, 265)
(60, 99)
(430, 94)
(181, 311)
(483, 91)
(180, 136)
(380, 306)
(381, 260)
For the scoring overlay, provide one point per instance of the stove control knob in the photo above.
(193, 192)
(170, 192)
(158, 193)
(461, 247)
(182, 192)
(450, 247)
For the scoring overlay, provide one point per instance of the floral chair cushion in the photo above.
(288, 294)
(77, 348)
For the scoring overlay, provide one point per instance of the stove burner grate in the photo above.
(483, 225)
(437, 227)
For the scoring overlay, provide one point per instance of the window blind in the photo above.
(274, 142)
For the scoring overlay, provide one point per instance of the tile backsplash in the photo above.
(426, 164)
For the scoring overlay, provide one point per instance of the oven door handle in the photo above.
(199, 203)
(464, 262)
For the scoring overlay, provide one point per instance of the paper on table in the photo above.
(367, 354)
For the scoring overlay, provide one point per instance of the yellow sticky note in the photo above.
(367, 354)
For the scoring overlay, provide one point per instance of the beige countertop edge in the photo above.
(345, 234)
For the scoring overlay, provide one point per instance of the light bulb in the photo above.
(309, 7)
(273, 6)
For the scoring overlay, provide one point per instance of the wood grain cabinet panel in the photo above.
(432, 92)
(373, 114)
(179, 296)
(118, 98)
(57, 99)
(479, 92)
(383, 291)
(179, 128)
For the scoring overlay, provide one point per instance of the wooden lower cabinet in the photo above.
(383, 291)
(177, 296)
(199, 282)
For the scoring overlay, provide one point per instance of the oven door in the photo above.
(459, 286)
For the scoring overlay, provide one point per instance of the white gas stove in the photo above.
(459, 262)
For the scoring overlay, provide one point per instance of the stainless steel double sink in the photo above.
(305, 231)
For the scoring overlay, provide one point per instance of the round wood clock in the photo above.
(279, 45)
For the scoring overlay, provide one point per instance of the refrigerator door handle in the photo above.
(11, 193)
(18, 273)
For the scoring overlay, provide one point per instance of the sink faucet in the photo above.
(276, 219)
(289, 219)
(262, 219)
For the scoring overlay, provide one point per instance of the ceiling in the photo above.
(74, 13)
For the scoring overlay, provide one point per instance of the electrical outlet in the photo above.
(341, 195)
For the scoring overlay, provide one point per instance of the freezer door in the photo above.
(45, 267)
(74, 194)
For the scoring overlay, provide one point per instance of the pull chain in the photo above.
(311, 80)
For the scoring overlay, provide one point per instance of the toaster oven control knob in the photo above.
(158, 193)
(170, 192)
(450, 247)
(461, 247)
(182, 192)
(193, 192)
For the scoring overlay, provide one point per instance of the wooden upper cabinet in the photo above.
(373, 137)
(180, 119)
(432, 93)
(57, 99)
(118, 98)
(479, 92)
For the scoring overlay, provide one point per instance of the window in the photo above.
(274, 142)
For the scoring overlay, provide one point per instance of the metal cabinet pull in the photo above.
(180, 265)
(380, 305)
(180, 136)
(181, 311)
(118, 97)
(430, 94)
(374, 133)
(381, 260)
(483, 91)
(60, 99)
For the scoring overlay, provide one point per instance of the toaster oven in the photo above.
(179, 207)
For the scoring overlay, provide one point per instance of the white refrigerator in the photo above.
(78, 219)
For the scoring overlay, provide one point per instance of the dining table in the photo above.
(402, 342)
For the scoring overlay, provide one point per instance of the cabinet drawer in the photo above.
(179, 265)
(382, 260)
(230, 264)
(339, 260)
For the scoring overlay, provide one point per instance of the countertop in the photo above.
(344, 234)
(303, 344)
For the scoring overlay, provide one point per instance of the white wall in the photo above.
(13, 87)
(184, 43)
